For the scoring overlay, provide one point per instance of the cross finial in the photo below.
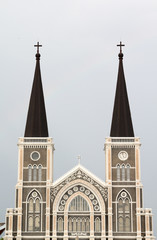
(38, 46)
(79, 159)
(120, 45)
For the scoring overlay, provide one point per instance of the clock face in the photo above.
(123, 155)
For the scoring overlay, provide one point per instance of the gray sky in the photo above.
(79, 66)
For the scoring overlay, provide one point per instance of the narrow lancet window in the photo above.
(70, 225)
(118, 172)
(97, 225)
(128, 172)
(34, 173)
(87, 225)
(31, 205)
(60, 224)
(37, 205)
(40, 173)
(78, 225)
(30, 224)
(29, 173)
(74, 225)
(83, 225)
(123, 172)
(37, 223)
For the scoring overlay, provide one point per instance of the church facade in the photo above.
(79, 205)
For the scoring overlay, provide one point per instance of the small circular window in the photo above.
(35, 156)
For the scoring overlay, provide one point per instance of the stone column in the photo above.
(110, 213)
(65, 225)
(103, 225)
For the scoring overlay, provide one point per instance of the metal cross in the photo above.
(38, 46)
(120, 45)
(79, 158)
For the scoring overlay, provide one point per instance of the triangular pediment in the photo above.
(79, 172)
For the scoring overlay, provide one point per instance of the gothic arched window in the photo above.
(124, 212)
(39, 172)
(29, 172)
(70, 225)
(34, 211)
(83, 225)
(128, 172)
(30, 206)
(79, 225)
(123, 172)
(87, 225)
(37, 205)
(60, 224)
(78, 204)
(97, 224)
(79, 211)
(118, 172)
(74, 225)
(35, 173)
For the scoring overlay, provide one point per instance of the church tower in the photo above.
(31, 217)
(126, 216)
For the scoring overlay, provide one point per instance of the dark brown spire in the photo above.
(121, 119)
(36, 125)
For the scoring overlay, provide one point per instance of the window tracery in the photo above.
(123, 172)
(34, 211)
(79, 201)
(79, 211)
(124, 212)
(79, 174)
(34, 172)
(79, 224)
(78, 204)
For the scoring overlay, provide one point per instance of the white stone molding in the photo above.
(131, 202)
(79, 188)
(41, 201)
(62, 190)
(90, 212)
(79, 175)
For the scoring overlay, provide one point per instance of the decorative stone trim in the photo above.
(35, 146)
(82, 189)
(79, 175)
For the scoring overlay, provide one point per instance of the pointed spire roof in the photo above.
(121, 120)
(36, 125)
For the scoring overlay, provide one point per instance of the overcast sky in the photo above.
(79, 63)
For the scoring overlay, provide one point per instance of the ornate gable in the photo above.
(79, 172)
